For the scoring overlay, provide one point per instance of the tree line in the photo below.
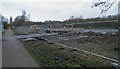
(81, 20)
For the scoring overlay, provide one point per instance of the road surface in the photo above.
(14, 54)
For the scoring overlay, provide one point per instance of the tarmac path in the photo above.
(14, 54)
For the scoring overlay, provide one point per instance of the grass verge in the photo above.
(52, 55)
(17, 32)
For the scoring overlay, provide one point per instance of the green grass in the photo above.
(17, 32)
(49, 55)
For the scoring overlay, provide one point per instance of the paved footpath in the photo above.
(14, 54)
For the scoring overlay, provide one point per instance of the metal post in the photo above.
(72, 35)
(51, 28)
(1, 31)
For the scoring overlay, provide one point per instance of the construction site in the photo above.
(60, 34)
(98, 43)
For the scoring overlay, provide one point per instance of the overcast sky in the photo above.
(41, 10)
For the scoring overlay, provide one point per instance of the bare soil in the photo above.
(102, 44)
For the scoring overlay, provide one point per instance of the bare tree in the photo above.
(28, 17)
(23, 13)
(24, 17)
(104, 5)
